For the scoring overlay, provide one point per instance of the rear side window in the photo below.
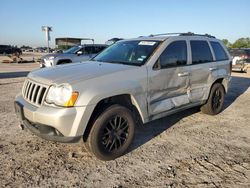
(200, 52)
(219, 52)
(174, 55)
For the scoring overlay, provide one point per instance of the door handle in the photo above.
(212, 68)
(182, 74)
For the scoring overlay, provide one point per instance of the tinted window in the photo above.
(219, 52)
(98, 49)
(87, 50)
(72, 50)
(200, 52)
(174, 55)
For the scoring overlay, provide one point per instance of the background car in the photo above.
(7, 49)
(74, 54)
(241, 59)
(112, 41)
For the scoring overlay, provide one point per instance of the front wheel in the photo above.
(112, 133)
(215, 101)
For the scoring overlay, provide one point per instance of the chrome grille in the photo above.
(34, 92)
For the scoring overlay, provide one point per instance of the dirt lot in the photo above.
(188, 149)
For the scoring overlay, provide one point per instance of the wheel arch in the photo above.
(221, 81)
(126, 100)
(63, 61)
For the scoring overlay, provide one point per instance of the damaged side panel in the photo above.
(167, 90)
(201, 78)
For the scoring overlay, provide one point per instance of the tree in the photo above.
(227, 43)
(241, 43)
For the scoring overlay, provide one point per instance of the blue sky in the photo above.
(21, 20)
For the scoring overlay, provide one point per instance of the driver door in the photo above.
(169, 79)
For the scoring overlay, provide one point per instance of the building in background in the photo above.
(65, 43)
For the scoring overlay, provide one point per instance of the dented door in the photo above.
(168, 89)
(169, 79)
(203, 70)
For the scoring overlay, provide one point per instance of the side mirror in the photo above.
(79, 53)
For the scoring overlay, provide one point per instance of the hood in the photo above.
(50, 55)
(76, 72)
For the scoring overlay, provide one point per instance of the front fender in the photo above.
(94, 90)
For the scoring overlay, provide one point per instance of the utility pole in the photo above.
(47, 30)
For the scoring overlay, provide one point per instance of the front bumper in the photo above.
(49, 133)
(51, 123)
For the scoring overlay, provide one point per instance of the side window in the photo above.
(174, 55)
(88, 50)
(98, 49)
(219, 52)
(200, 52)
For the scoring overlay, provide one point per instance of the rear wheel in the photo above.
(215, 101)
(112, 133)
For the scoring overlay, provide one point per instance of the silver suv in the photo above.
(74, 54)
(133, 81)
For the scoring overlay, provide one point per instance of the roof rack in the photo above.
(182, 34)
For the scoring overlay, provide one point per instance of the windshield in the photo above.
(128, 52)
(72, 50)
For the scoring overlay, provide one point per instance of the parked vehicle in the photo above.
(242, 65)
(7, 49)
(131, 82)
(72, 55)
(112, 41)
(241, 59)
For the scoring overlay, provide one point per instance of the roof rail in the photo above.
(195, 34)
(163, 34)
(182, 34)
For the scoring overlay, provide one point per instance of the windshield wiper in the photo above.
(123, 63)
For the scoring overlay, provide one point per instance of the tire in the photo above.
(214, 104)
(112, 133)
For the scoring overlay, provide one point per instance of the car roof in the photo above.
(163, 37)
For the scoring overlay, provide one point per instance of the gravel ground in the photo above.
(188, 149)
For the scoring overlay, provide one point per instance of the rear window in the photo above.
(200, 52)
(219, 52)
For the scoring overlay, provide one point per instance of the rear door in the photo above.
(203, 70)
(169, 79)
(222, 59)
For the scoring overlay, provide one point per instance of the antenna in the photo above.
(47, 30)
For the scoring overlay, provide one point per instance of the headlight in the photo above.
(61, 95)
